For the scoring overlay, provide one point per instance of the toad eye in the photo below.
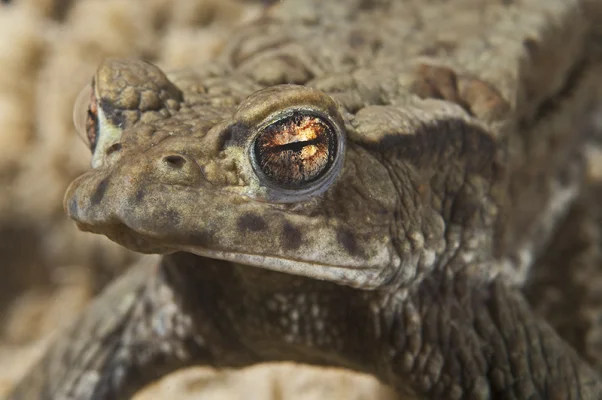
(85, 116)
(297, 150)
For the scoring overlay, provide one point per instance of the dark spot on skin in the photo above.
(443, 137)
(73, 206)
(171, 218)
(251, 222)
(112, 113)
(233, 135)
(202, 238)
(140, 194)
(531, 45)
(347, 240)
(292, 238)
(99, 193)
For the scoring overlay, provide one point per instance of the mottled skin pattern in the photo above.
(462, 125)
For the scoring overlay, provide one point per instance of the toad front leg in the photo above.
(454, 338)
(449, 338)
(131, 335)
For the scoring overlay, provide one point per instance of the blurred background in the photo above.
(49, 50)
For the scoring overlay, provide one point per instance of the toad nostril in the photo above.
(174, 161)
(115, 147)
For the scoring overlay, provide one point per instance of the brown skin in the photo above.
(398, 248)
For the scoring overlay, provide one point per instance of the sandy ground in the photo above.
(49, 49)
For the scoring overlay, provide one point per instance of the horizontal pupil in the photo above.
(295, 151)
(295, 146)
